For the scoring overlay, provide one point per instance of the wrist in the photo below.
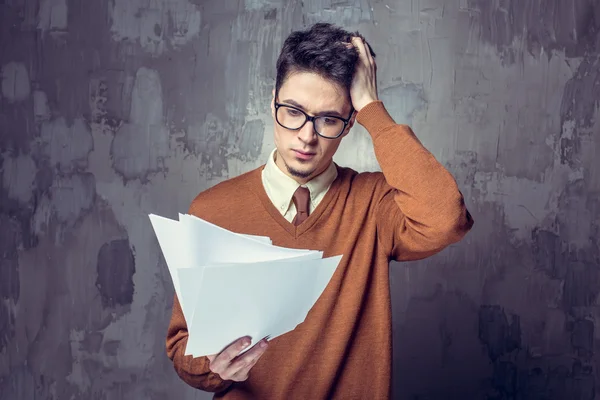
(375, 118)
(364, 102)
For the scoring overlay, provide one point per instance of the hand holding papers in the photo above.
(231, 285)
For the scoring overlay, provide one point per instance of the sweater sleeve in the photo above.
(420, 209)
(193, 371)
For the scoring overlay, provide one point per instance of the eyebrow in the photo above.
(332, 113)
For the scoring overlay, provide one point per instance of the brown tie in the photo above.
(301, 200)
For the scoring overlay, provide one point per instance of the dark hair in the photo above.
(322, 49)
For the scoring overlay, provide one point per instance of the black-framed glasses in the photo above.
(326, 126)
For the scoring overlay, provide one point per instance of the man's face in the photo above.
(302, 154)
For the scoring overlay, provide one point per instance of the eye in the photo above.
(293, 113)
(330, 121)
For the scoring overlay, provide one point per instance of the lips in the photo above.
(303, 155)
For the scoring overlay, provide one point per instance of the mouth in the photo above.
(303, 155)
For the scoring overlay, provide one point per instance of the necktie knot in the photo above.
(301, 200)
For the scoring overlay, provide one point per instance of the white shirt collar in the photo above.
(280, 187)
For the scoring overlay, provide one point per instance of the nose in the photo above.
(307, 133)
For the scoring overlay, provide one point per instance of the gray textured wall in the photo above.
(110, 110)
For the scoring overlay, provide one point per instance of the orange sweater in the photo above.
(343, 349)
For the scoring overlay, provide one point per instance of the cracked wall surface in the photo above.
(110, 110)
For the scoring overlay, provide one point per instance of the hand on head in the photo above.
(364, 84)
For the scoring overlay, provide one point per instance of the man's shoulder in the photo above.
(363, 189)
(355, 178)
(227, 193)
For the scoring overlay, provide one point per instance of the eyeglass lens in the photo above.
(291, 118)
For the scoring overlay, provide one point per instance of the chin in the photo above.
(301, 169)
(303, 173)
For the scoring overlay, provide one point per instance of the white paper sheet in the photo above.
(231, 285)
(173, 246)
(193, 242)
(216, 245)
(264, 299)
(190, 280)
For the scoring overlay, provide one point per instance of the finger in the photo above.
(243, 373)
(369, 55)
(242, 365)
(368, 52)
(369, 49)
(223, 359)
(360, 45)
(368, 59)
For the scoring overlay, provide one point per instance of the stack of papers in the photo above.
(232, 285)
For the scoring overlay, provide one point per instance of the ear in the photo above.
(350, 123)
(352, 119)
(273, 105)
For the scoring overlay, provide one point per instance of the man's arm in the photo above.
(421, 210)
(194, 371)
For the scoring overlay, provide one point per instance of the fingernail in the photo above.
(245, 344)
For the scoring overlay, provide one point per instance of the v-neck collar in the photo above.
(290, 228)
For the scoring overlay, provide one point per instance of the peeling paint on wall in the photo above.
(41, 109)
(116, 266)
(158, 26)
(145, 130)
(19, 177)
(53, 16)
(15, 82)
(67, 147)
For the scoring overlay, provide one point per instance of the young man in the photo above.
(300, 199)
